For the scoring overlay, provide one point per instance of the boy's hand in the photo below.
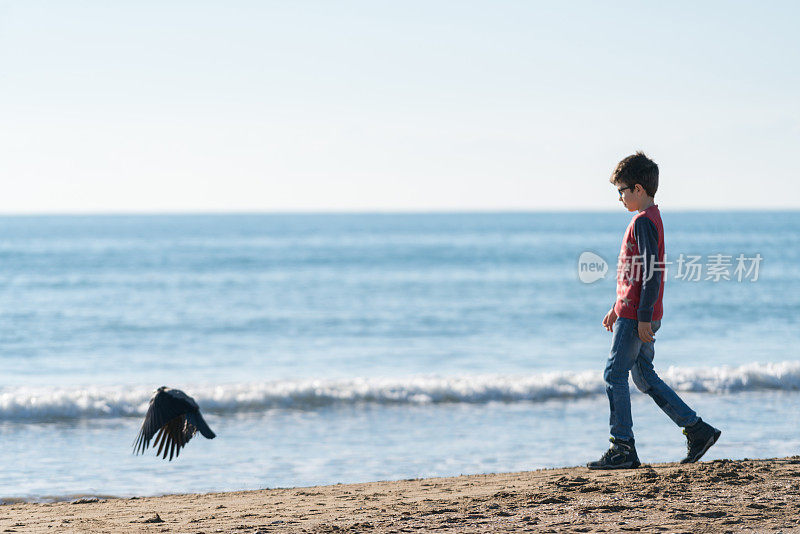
(609, 320)
(646, 332)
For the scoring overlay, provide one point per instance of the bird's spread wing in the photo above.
(172, 436)
(164, 409)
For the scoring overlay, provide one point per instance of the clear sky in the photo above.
(293, 105)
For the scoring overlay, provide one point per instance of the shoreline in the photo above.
(716, 496)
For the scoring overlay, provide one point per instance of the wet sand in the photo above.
(719, 496)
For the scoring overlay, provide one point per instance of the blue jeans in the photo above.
(629, 353)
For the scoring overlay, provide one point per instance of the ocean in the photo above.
(356, 347)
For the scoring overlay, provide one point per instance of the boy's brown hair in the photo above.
(637, 169)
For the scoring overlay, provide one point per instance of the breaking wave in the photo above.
(28, 404)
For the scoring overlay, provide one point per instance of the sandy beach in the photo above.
(719, 496)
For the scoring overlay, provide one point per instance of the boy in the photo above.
(635, 318)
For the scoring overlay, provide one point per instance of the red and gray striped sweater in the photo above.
(640, 269)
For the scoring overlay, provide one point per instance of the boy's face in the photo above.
(630, 196)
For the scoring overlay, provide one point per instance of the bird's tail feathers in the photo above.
(197, 420)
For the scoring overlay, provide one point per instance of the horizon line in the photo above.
(438, 211)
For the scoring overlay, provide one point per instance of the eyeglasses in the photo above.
(631, 187)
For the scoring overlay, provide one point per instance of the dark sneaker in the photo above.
(621, 455)
(700, 437)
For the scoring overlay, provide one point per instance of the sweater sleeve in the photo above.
(646, 235)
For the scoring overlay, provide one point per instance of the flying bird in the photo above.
(176, 417)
